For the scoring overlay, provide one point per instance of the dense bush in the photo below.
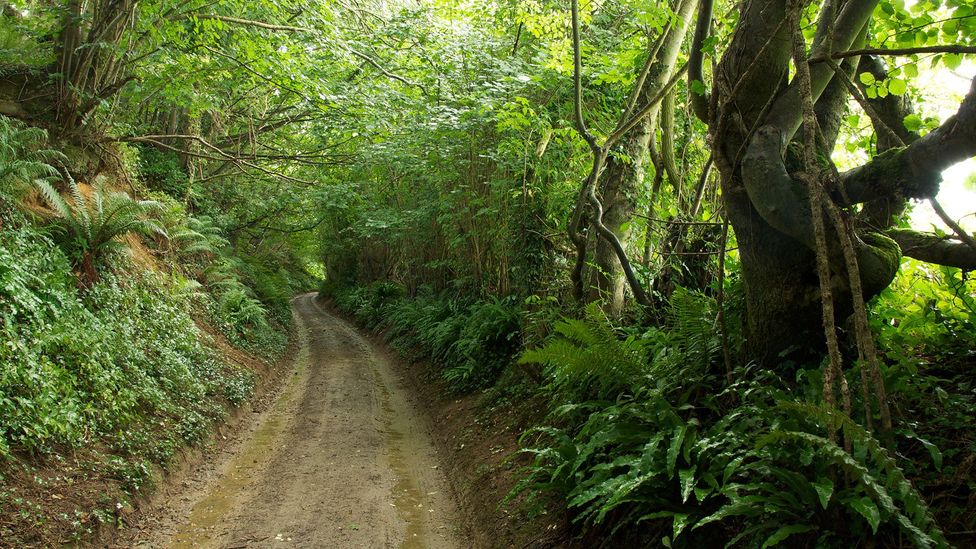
(161, 171)
(471, 341)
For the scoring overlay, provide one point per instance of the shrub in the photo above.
(471, 342)
(117, 364)
(161, 170)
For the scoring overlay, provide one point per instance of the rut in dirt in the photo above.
(341, 459)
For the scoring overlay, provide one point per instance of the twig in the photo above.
(238, 21)
(960, 232)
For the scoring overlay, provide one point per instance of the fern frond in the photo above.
(54, 199)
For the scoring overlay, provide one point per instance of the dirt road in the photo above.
(340, 459)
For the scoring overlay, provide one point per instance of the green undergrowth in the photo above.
(471, 341)
(647, 440)
(650, 440)
(105, 370)
(120, 369)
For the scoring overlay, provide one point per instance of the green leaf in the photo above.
(952, 60)
(824, 488)
(897, 86)
(933, 452)
(676, 441)
(913, 122)
(866, 78)
(687, 478)
(869, 510)
(680, 522)
(784, 532)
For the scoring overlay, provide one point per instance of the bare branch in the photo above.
(960, 232)
(221, 154)
(385, 72)
(949, 48)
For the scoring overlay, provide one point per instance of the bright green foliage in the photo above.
(124, 365)
(425, 154)
(926, 323)
(471, 342)
(569, 359)
(161, 171)
(23, 158)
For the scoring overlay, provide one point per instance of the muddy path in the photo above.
(341, 458)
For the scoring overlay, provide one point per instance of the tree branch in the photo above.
(915, 170)
(221, 154)
(238, 21)
(949, 48)
(699, 102)
(385, 72)
(961, 234)
(932, 248)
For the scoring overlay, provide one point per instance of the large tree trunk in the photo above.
(754, 122)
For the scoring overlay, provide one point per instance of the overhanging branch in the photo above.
(239, 21)
(949, 48)
(932, 248)
(915, 170)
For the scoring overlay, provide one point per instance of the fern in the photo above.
(91, 230)
(587, 360)
(649, 437)
(23, 158)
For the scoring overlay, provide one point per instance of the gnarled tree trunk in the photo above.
(754, 121)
